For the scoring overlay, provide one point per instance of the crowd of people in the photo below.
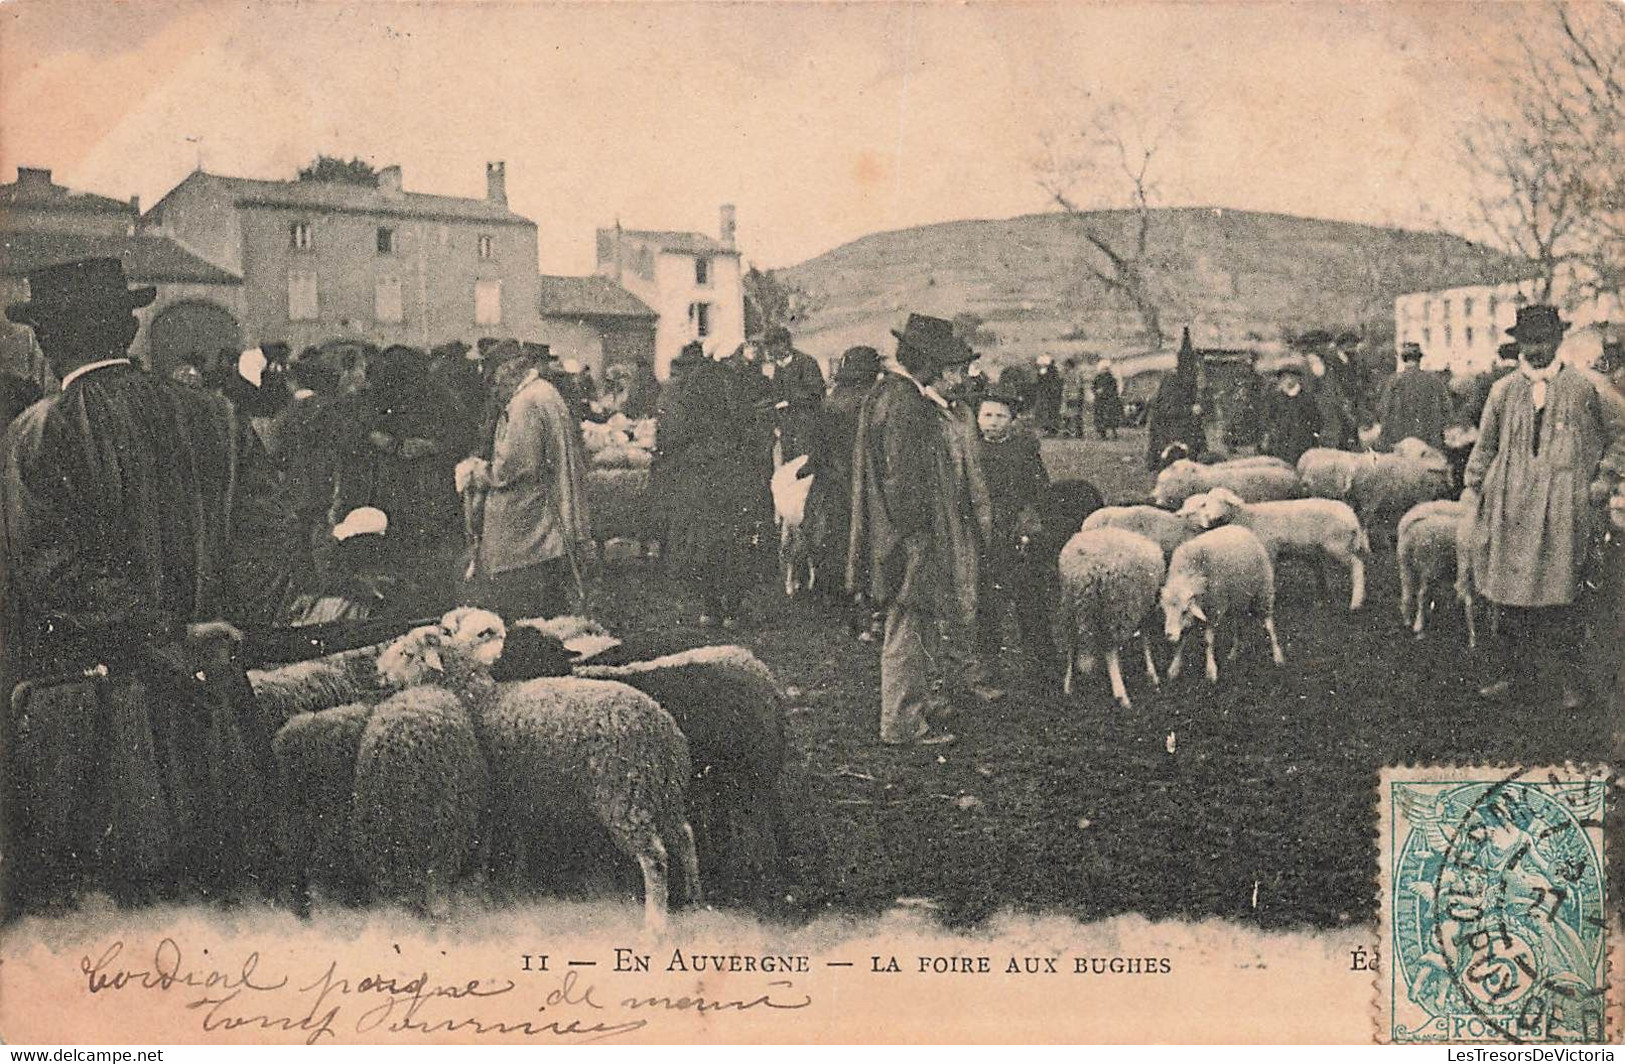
(151, 525)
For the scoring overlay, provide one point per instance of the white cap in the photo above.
(362, 521)
(570, 365)
(251, 366)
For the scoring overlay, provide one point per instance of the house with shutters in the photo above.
(693, 282)
(325, 260)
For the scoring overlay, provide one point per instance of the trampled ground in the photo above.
(1263, 812)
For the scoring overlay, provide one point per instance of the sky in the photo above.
(821, 122)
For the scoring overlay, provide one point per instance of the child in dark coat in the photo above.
(1019, 568)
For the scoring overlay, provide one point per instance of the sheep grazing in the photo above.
(1214, 579)
(729, 707)
(1319, 527)
(1381, 487)
(790, 489)
(1253, 481)
(1109, 582)
(1167, 530)
(569, 753)
(1429, 551)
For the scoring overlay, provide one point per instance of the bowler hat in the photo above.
(77, 288)
(861, 363)
(1538, 321)
(934, 338)
(1001, 393)
(1410, 351)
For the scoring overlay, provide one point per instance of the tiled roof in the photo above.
(358, 199)
(680, 242)
(148, 258)
(43, 193)
(589, 297)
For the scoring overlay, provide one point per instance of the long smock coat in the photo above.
(920, 507)
(536, 510)
(1414, 403)
(1532, 529)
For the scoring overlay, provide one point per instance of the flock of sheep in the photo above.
(1206, 552)
(450, 756)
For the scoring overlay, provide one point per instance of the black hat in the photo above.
(775, 336)
(539, 352)
(77, 287)
(1538, 321)
(1410, 351)
(859, 364)
(934, 338)
(999, 393)
(1348, 339)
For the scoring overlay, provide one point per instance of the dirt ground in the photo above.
(1251, 800)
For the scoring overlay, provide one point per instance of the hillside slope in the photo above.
(1236, 277)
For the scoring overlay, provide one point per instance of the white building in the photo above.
(692, 281)
(1461, 328)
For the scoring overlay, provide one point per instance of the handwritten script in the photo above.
(334, 1004)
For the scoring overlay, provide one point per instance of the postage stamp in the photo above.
(1494, 907)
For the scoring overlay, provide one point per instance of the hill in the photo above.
(1238, 278)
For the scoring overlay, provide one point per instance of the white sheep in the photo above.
(566, 750)
(1109, 582)
(421, 790)
(790, 489)
(1319, 527)
(1327, 473)
(1162, 527)
(1252, 481)
(1381, 487)
(1429, 550)
(729, 707)
(316, 755)
(286, 691)
(1214, 579)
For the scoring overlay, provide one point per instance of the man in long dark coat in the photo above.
(829, 502)
(798, 392)
(1413, 403)
(142, 524)
(1291, 417)
(920, 514)
(1178, 415)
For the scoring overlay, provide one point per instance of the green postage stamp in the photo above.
(1494, 905)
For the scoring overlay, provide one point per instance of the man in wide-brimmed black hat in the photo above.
(920, 516)
(1550, 451)
(142, 524)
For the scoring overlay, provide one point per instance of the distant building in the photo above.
(323, 260)
(596, 322)
(199, 304)
(692, 282)
(1461, 328)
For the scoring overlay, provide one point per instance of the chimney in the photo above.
(135, 206)
(31, 177)
(389, 180)
(496, 182)
(730, 223)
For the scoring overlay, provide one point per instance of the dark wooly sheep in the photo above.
(729, 706)
(568, 753)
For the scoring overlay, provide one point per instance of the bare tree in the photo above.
(1114, 148)
(1552, 163)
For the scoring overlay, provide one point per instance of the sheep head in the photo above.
(1212, 508)
(481, 632)
(426, 655)
(1180, 604)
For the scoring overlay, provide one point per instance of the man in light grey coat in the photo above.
(527, 559)
(1550, 450)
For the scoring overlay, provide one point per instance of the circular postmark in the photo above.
(1507, 938)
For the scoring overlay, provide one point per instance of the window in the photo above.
(485, 247)
(487, 302)
(1447, 311)
(299, 237)
(386, 299)
(1467, 336)
(1467, 309)
(1491, 308)
(1447, 339)
(386, 240)
(302, 302)
(702, 272)
(700, 315)
(1427, 338)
